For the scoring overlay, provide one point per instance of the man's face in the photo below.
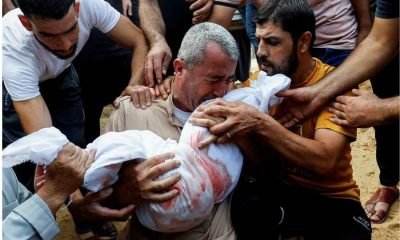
(276, 50)
(58, 36)
(210, 80)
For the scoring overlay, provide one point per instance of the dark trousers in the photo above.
(102, 80)
(266, 209)
(62, 97)
(385, 85)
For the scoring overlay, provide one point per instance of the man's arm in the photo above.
(363, 16)
(383, 42)
(34, 216)
(318, 155)
(159, 57)
(8, 5)
(370, 56)
(130, 36)
(33, 114)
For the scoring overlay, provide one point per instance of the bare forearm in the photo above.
(33, 114)
(151, 19)
(308, 154)
(137, 67)
(53, 200)
(390, 110)
(366, 60)
(7, 6)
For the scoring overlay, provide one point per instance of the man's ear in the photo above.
(179, 65)
(305, 42)
(25, 21)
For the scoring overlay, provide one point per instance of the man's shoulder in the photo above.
(157, 107)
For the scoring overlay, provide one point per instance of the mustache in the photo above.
(264, 60)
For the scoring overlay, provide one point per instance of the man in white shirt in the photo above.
(40, 40)
(40, 86)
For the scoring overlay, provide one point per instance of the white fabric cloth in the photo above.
(208, 175)
(26, 62)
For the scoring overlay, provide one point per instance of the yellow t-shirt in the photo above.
(339, 183)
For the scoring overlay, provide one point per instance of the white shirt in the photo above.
(26, 62)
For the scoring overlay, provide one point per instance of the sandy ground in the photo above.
(366, 174)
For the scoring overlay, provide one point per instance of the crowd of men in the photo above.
(297, 155)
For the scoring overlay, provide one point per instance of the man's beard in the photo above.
(288, 67)
(60, 56)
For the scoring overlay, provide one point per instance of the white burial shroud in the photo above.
(207, 175)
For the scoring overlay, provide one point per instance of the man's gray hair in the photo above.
(193, 45)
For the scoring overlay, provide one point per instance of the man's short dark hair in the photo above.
(293, 16)
(45, 9)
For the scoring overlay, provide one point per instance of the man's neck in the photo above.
(303, 71)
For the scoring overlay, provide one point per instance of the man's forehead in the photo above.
(268, 28)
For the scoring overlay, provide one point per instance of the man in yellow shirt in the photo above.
(303, 173)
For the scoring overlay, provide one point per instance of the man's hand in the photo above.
(157, 62)
(137, 181)
(90, 209)
(299, 104)
(64, 175)
(141, 96)
(361, 110)
(127, 7)
(164, 89)
(201, 10)
(40, 177)
(227, 121)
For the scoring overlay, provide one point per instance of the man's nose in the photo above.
(220, 91)
(64, 44)
(262, 50)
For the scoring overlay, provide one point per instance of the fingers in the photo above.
(158, 70)
(148, 69)
(341, 122)
(40, 170)
(360, 92)
(96, 197)
(110, 214)
(287, 120)
(160, 197)
(153, 161)
(130, 9)
(165, 63)
(162, 168)
(206, 142)
(162, 185)
(162, 92)
(165, 87)
(201, 14)
(141, 96)
(68, 149)
(292, 122)
(286, 93)
(91, 158)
